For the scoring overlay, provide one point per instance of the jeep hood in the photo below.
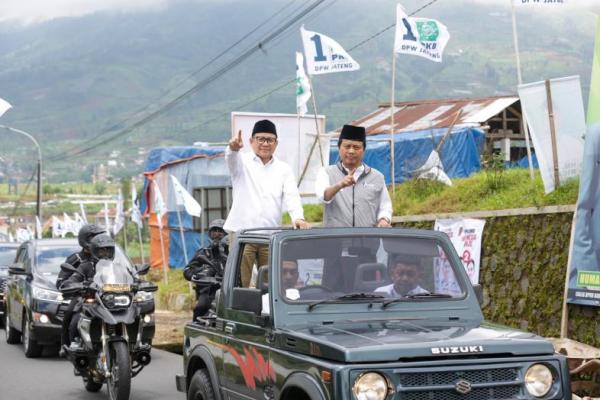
(410, 339)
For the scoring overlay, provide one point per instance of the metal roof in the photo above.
(428, 114)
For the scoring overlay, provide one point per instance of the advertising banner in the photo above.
(465, 235)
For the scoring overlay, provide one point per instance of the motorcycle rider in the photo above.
(86, 233)
(208, 262)
(101, 247)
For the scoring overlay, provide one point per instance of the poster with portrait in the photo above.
(465, 234)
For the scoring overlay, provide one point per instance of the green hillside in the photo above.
(72, 79)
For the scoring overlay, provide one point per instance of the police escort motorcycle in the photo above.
(115, 328)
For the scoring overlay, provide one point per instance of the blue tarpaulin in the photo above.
(460, 153)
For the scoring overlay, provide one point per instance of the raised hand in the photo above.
(235, 144)
(348, 179)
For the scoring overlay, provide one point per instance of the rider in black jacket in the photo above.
(208, 263)
(86, 233)
(101, 247)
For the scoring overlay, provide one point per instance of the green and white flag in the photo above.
(422, 37)
(593, 112)
(302, 85)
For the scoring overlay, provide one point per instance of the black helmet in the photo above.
(87, 232)
(102, 247)
(216, 224)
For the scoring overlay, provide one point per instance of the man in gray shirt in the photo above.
(354, 193)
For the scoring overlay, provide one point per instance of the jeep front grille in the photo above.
(483, 383)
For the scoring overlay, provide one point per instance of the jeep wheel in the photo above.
(201, 387)
(12, 335)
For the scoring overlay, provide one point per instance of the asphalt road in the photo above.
(51, 378)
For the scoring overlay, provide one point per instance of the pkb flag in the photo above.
(422, 37)
(324, 55)
(302, 86)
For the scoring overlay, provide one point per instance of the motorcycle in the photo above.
(115, 327)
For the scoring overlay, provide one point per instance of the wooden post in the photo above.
(552, 134)
(564, 318)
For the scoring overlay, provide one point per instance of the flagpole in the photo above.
(162, 248)
(314, 101)
(139, 229)
(520, 81)
(392, 109)
(184, 248)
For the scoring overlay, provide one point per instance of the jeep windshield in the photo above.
(368, 269)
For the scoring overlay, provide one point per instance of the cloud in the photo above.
(31, 11)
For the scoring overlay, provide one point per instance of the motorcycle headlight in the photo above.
(143, 296)
(115, 301)
(538, 380)
(46, 295)
(370, 386)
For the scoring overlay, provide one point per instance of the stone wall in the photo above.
(524, 260)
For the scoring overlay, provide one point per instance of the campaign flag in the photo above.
(424, 37)
(136, 215)
(70, 226)
(159, 205)
(23, 234)
(302, 85)
(593, 111)
(120, 215)
(58, 228)
(569, 123)
(465, 234)
(324, 55)
(4, 106)
(183, 198)
(433, 169)
(38, 227)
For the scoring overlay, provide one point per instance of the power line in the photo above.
(279, 87)
(198, 86)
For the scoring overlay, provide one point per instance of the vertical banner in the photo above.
(569, 124)
(465, 235)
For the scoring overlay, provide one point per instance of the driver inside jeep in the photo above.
(405, 274)
(289, 284)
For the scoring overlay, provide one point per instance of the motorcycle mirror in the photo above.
(142, 269)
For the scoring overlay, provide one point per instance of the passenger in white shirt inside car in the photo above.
(289, 284)
(263, 186)
(405, 275)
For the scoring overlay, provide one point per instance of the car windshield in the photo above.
(366, 267)
(7, 256)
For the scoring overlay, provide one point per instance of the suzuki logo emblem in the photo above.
(463, 387)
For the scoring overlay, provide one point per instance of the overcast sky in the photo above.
(31, 11)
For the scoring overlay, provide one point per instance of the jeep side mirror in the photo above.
(478, 293)
(247, 299)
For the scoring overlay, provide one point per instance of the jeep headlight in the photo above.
(46, 295)
(370, 386)
(538, 380)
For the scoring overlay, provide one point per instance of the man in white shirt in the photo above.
(405, 275)
(289, 284)
(354, 193)
(263, 186)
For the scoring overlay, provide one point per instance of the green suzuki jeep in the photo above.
(363, 314)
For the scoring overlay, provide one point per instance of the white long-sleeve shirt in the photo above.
(261, 192)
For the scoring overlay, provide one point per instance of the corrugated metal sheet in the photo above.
(428, 114)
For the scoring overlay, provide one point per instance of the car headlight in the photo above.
(143, 296)
(370, 386)
(538, 380)
(46, 295)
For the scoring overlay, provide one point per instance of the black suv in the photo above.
(34, 307)
(360, 314)
(7, 257)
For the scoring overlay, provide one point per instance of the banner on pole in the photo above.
(185, 199)
(569, 122)
(119, 215)
(424, 37)
(303, 92)
(136, 214)
(324, 55)
(465, 234)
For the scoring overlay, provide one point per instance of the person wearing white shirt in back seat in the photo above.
(263, 186)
